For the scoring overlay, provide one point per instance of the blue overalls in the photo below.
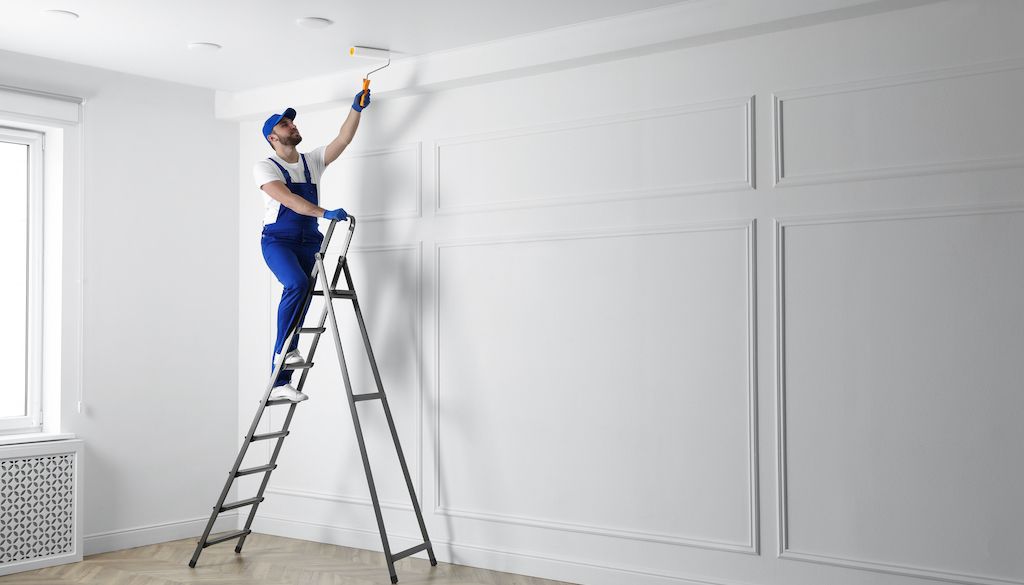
(289, 246)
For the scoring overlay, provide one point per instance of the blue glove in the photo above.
(355, 102)
(338, 214)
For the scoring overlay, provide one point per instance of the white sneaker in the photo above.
(293, 357)
(287, 391)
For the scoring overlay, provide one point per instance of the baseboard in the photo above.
(33, 564)
(102, 542)
(475, 556)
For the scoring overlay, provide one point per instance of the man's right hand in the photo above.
(359, 107)
(338, 214)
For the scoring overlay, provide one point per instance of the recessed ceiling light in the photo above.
(314, 22)
(62, 14)
(204, 47)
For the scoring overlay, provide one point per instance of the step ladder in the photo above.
(329, 288)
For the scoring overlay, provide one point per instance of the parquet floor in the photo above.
(267, 560)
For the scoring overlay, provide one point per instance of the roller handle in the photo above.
(362, 98)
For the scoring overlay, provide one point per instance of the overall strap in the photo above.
(287, 176)
(305, 166)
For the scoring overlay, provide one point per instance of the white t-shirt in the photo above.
(265, 171)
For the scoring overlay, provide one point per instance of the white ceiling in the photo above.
(262, 45)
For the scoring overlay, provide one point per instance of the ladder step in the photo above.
(253, 470)
(302, 366)
(337, 293)
(226, 537)
(278, 401)
(266, 436)
(410, 551)
(240, 503)
(312, 329)
(358, 397)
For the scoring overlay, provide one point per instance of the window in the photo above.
(21, 243)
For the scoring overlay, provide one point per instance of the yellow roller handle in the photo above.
(362, 98)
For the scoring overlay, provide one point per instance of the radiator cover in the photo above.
(39, 505)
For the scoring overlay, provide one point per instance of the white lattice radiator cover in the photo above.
(39, 505)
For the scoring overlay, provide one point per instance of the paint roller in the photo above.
(369, 53)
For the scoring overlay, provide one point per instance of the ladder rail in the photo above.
(355, 423)
(391, 422)
(278, 368)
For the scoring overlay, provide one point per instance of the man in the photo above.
(290, 239)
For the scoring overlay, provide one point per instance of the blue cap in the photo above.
(268, 126)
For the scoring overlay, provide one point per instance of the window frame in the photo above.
(33, 420)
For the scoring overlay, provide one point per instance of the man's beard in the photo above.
(291, 140)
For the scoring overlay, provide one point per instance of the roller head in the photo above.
(369, 53)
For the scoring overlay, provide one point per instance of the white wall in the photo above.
(160, 326)
(677, 318)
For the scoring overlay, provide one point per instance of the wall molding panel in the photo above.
(740, 159)
(784, 550)
(751, 547)
(939, 86)
(407, 156)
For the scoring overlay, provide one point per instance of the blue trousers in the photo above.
(291, 259)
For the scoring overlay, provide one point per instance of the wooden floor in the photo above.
(267, 560)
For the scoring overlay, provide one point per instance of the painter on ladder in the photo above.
(291, 238)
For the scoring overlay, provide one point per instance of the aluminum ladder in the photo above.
(319, 277)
